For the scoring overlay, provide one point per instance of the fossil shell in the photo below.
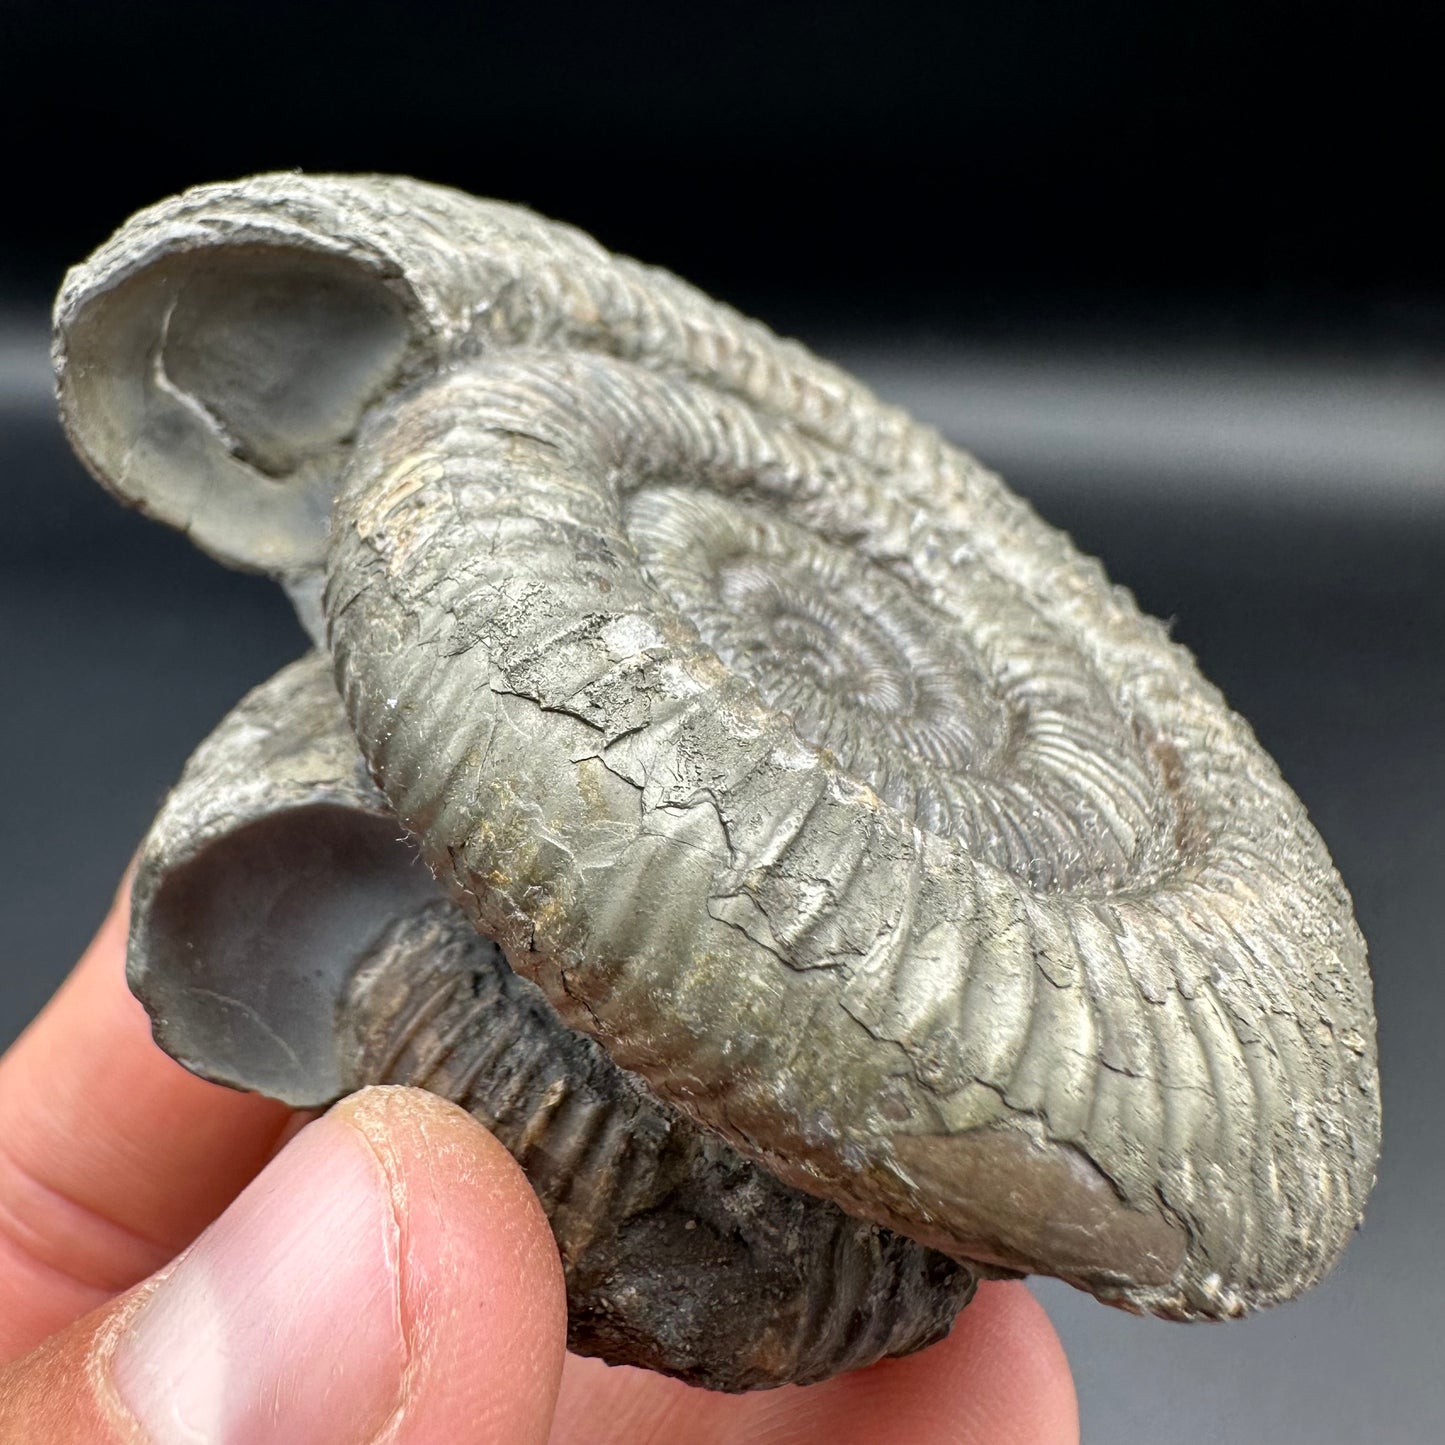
(792, 756)
(285, 939)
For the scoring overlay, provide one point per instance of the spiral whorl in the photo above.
(799, 763)
(862, 666)
(1022, 760)
(950, 999)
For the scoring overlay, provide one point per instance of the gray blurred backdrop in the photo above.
(1166, 267)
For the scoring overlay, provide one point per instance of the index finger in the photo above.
(112, 1157)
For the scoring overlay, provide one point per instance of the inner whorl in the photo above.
(1024, 758)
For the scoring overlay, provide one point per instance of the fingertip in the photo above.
(388, 1276)
(1005, 1360)
(113, 1157)
(482, 1293)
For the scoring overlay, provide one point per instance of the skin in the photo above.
(114, 1160)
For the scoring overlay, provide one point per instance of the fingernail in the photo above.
(283, 1321)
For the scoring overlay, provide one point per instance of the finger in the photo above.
(112, 1157)
(1000, 1377)
(388, 1276)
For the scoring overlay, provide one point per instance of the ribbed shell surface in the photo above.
(808, 771)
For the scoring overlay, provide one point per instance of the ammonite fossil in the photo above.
(862, 894)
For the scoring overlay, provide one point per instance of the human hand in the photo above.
(383, 1274)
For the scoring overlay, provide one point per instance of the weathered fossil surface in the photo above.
(789, 754)
(285, 938)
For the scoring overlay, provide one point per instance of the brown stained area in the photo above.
(1043, 1208)
(591, 780)
(1189, 833)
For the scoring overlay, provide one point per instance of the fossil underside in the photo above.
(789, 755)
(275, 867)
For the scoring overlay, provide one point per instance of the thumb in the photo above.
(389, 1277)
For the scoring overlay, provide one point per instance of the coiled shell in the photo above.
(795, 759)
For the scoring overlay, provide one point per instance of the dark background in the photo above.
(1167, 266)
(879, 163)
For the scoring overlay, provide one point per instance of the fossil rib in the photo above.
(284, 938)
(793, 757)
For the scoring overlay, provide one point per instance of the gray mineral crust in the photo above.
(812, 784)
